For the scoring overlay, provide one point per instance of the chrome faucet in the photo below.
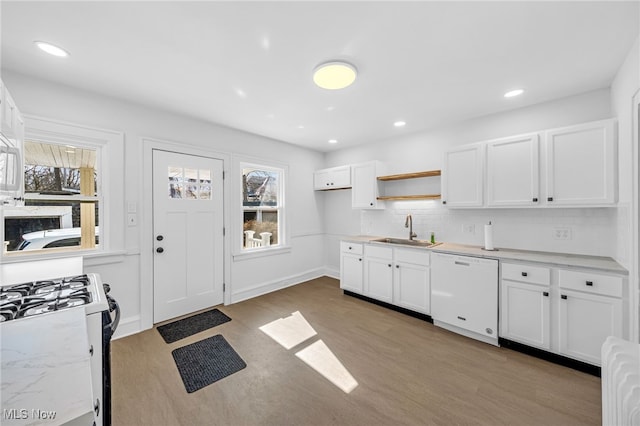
(408, 223)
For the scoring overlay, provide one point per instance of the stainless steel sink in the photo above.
(405, 241)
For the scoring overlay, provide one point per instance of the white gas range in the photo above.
(43, 319)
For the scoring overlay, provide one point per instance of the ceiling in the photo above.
(248, 65)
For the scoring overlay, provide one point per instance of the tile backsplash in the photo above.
(588, 231)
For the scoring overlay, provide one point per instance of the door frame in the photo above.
(146, 216)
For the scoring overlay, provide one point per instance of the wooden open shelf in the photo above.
(402, 176)
(410, 197)
(429, 173)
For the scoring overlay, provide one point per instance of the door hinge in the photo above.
(224, 287)
(224, 174)
(224, 231)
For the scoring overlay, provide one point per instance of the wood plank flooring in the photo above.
(409, 373)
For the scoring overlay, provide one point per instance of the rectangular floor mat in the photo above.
(186, 327)
(206, 362)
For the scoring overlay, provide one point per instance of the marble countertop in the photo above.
(605, 264)
(45, 369)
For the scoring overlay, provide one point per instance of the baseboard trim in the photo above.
(128, 326)
(594, 370)
(278, 284)
(402, 310)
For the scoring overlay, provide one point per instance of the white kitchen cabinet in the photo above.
(513, 171)
(11, 149)
(364, 185)
(525, 295)
(332, 178)
(378, 273)
(581, 164)
(411, 280)
(464, 295)
(590, 310)
(567, 312)
(462, 177)
(351, 267)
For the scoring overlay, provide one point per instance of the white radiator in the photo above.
(620, 382)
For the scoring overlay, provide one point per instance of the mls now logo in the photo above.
(15, 414)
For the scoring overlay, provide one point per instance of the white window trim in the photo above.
(109, 146)
(235, 234)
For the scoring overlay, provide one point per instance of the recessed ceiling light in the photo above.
(330, 108)
(399, 123)
(52, 49)
(333, 141)
(334, 75)
(300, 126)
(241, 93)
(513, 93)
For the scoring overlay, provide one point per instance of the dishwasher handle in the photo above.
(457, 262)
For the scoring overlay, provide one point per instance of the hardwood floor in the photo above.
(408, 372)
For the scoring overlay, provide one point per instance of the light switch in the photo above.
(132, 208)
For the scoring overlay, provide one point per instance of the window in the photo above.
(62, 200)
(262, 206)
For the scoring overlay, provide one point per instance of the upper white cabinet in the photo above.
(581, 164)
(513, 171)
(11, 149)
(364, 185)
(332, 178)
(462, 181)
(576, 166)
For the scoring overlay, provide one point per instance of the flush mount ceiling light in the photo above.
(333, 141)
(513, 93)
(51, 49)
(399, 123)
(334, 75)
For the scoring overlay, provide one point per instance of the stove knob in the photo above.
(159, 249)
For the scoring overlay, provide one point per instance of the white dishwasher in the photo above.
(464, 295)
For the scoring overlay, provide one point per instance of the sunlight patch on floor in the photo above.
(290, 331)
(319, 357)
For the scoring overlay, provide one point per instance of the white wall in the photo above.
(249, 276)
(593, 230)
(625, 85)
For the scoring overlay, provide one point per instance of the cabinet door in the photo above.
(412, 288)
(333, 178)
(585, 321)
(364, 190)
(379, 279)
(462, 177)
(513, 171)
(351, 274)
(321, 180)
(581, 164)
(524, 314)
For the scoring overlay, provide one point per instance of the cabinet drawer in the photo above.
(526, 273)
(418, 257)
(347, 247)
(377, 251)
(591, 282)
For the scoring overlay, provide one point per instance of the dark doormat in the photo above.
(186, 327)
(206, 361)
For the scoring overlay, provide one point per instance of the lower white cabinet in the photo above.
(412, 280)
(587, 318)
(568, 312)
(378, 273)
(526, 300)
(351, 269)
(395, 275)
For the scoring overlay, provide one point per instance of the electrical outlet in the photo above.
(469, 229)
(562, 233)
(132, 219)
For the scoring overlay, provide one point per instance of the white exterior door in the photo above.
(187, 232)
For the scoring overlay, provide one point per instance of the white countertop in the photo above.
(45, 368)
(605, 264)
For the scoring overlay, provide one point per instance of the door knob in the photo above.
(159, 238)
(159, 249)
